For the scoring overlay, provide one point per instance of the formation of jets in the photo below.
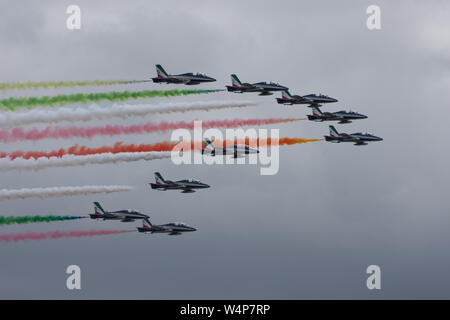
(187, 186)
(173, 228)
(314, 101)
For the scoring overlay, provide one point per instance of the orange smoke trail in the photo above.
(119, 147)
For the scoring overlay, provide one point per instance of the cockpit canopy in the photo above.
(180, 224)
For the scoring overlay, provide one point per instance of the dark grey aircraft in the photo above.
(185, 78)
(358, 138)
(341, 116)
(187, 186)
(236, 151)
(264, 88)
(122, 215)
(312, 100)
(172, 229)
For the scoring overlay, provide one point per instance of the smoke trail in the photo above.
(60, 84)
(20, 134)
(43, 193)
(71, 160)
(62, 99)
(15, 237)
(34, 219)
(119, 147)
(96, 112)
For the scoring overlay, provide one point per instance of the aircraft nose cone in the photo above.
(206, 185)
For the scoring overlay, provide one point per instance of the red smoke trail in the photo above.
(14, 237)
(20, 134)
(119, 147)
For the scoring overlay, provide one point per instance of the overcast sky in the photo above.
(308, 232)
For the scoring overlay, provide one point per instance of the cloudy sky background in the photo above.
(308, 232)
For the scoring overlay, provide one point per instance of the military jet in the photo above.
(172, 229)
(185, 78)
(187, 186)
(122, 215)
(264, 88)
(313, 100)
(341, 116)
(358, 138)
(237, 151)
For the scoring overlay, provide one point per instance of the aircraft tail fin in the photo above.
(316, 111)
(159, 179)
(146, 223)
(161, 72)
(98, 208)
(286, 95)
(208, 144)
(235, 81)
(333, 132)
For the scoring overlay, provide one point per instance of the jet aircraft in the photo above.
(313, 100)
(122, 215)
(264, 88)
(341, 116)
(358, 138)
(237, 151)
(172, 229)
(185, 78)
(187, 186)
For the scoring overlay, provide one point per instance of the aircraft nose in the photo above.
(206, 185)
(193, 229)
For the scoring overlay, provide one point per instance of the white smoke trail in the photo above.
(74, 160)
(95, 112)
(43, 193)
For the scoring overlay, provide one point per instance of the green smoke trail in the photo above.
(62, 99)
(59, 84)
(34, 219)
